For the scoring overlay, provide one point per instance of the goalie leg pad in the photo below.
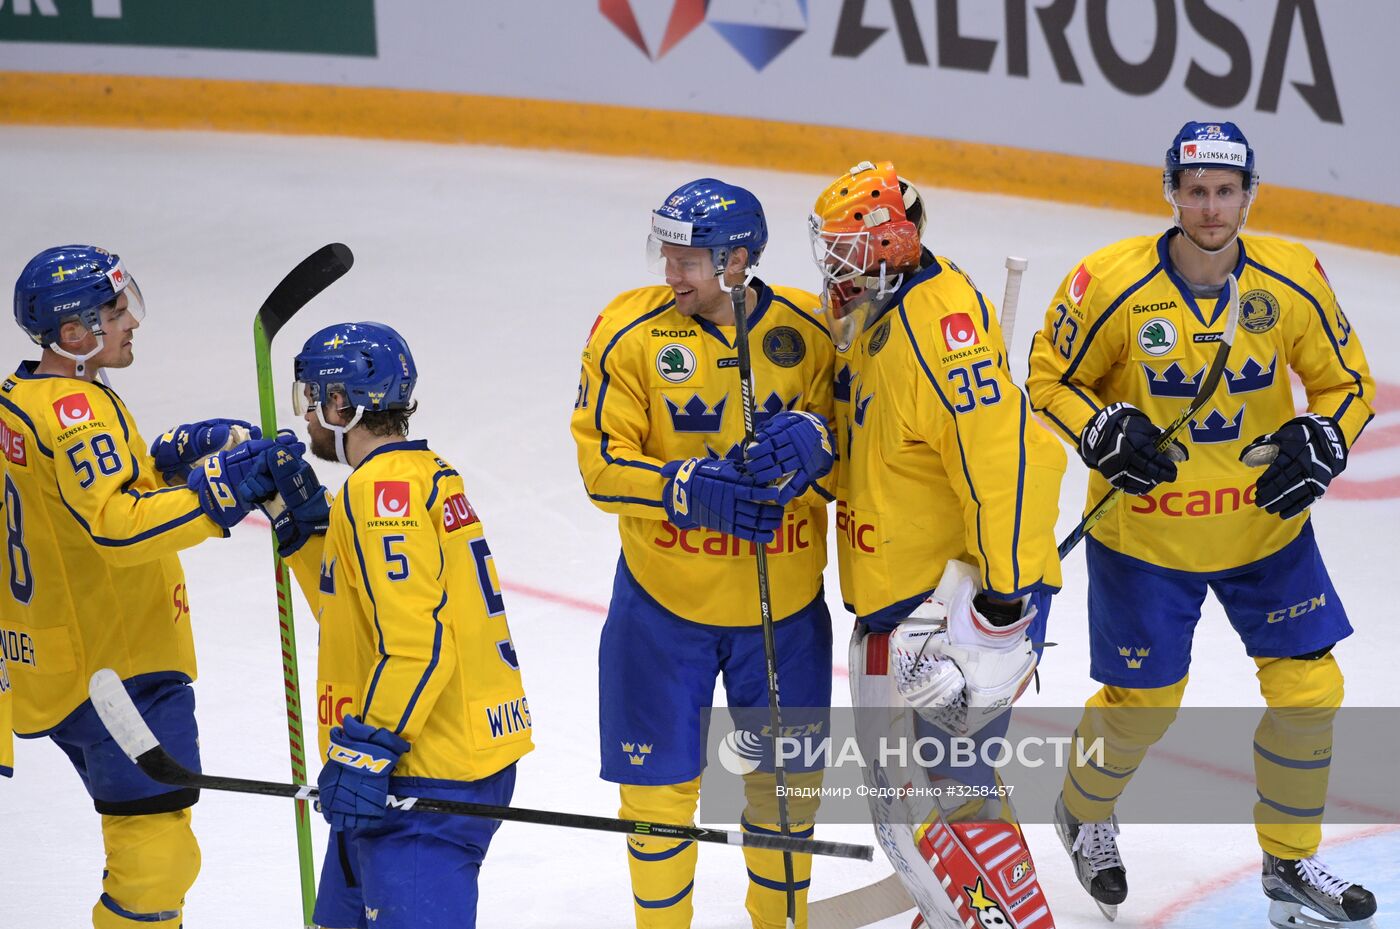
(987, 872)
(152, 862)
(662, 870)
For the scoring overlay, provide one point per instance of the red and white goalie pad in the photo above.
(975, 873)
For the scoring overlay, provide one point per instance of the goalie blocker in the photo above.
(947, 672)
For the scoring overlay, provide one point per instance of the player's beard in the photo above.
(322, 442)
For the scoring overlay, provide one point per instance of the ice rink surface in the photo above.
(493, 264)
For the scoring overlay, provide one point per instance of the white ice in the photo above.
(493, 264)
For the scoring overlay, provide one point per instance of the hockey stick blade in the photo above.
(119, 714)
(314, 274)
(1203, 394)
(860, 907)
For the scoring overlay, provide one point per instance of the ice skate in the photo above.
(1294, 884)
(1094, 849)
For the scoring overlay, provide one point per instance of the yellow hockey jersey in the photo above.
(657, 386)
(940, 455)
(91, 565)
(1125, 326)
(413, 626)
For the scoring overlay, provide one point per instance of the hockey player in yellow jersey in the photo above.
(947, 495)
(1126, 341)
(93, 571)
(658, 423)
(418, 684)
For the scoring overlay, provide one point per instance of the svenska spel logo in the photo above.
(959, 332)
(72, 409)
(391, 499)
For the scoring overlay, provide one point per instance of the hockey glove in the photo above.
(1121, 444)
(216, 482)
(795, 443)
(717, 494)
(1311, 451)
(286, 489)
(177, 451)
(354, 784)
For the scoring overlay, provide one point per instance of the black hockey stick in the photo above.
(314, 274)
(738, 297)
(124, 722)
(1203, 395)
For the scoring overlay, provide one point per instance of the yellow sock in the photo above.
(152, 862)
(1129, 720)
(767, 896)
(1293, 752)
(663, 870)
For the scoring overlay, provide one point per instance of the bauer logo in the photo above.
(391, 499)
(72, 409)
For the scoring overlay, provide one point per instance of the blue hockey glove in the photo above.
(1311, 451)
(217, 481)
(1121, 444)
(177, 451)
(795, 443)
(354, 784)
(281, 471)
(717, 494)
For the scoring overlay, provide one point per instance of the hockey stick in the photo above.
(1015, 267)
(738, 296)
(1203, 395)
(313, 275)
(124, 722)
(887, 897)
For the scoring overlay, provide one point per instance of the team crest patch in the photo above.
(784, 346)
(878, 340)
(391, 499)
(72, 409)
(1157, 336)
(1258, 311)
(675, 362)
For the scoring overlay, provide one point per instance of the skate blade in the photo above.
(1287, 915)
(1109, 910)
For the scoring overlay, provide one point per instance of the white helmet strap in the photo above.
(339, 430)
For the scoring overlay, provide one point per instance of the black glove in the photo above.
(1121, 444)
(1311, 451)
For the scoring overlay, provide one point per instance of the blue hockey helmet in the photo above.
(1210, 145)
(369, 363)
(71, 282)
(708, 213)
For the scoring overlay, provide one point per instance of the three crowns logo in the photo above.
(695, 416)
(1172, 382)
(637, 754)
(1252, 376)
(1134, 656)
(1216, 428)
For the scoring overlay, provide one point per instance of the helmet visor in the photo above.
(681, 263)
(308, 394)
(1193, 189)
(127, 305)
